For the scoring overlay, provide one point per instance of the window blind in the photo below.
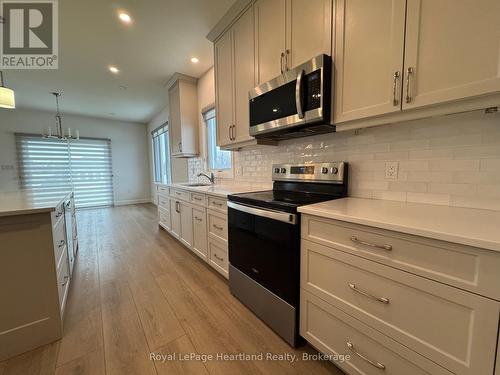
(50, 167)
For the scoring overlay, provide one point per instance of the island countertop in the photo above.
(467, 226)
(23, 202)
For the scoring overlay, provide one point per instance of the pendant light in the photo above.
(59, 134)
(7, 99)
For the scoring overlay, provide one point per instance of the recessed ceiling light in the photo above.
(124, 17)
(194, 60)
(114, 69)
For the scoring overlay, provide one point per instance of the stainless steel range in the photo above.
(264, 240)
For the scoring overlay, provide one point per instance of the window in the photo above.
(219, 161)
(50, 167)
(161, 154)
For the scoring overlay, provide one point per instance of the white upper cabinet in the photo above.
(288, 33)
(270, 39)
(183, 124)
(368, 58)
(452, 50)
(244, 74)
(310, 30)
(235, 76)
(224, 88)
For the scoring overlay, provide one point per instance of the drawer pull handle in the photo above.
(197, 218)
(357, 290)
(61, 243)
(59, 214)
(383, 247)
(219, 258)
(66, 279)
(217, 227)
(378, 365)
(217, 204)
(177, 193)
(196, 198)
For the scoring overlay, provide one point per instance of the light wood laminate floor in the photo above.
(137, 291)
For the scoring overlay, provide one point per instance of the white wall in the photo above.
(128, 145)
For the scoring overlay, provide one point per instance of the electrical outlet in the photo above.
(391, 170)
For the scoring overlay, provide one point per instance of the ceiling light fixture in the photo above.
(114, 69)
(7, 98)
(195, 60)
(124, 17)
(59, 129)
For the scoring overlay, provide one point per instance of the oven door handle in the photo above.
(271, 214)
(298, 94)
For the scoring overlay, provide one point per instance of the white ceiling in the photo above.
(163, 37)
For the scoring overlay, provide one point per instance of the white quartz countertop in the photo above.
(467, 226)
(24, 202)
(219, 190)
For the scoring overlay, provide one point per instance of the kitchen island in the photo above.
(39, 242)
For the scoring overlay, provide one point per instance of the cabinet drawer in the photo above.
(218, 204)
(461, 266)
(217, 226)
(199, 199)
(163, 190)
(164, 218)
(218, 257)
(59, 238)
(337, 334)
(454, 328)
(179, 194)
(164, 203)
(63, 279)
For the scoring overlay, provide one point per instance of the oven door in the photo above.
(299, 96)
(265, 245)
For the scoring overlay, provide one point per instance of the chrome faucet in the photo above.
(211, 177)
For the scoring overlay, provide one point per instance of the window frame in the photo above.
(156, 157)
(219, 173)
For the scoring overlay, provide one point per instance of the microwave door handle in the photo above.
(298, 94)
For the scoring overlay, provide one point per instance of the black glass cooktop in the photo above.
(287, 201)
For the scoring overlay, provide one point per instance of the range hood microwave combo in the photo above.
(294, 104)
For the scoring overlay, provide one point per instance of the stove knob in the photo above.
(276, 170)
(324, 170)
(334, 170)
(283, 170)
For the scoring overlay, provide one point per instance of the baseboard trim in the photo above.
(132, 201)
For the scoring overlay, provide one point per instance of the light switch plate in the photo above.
(391, 170)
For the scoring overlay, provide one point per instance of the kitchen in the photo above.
(303, 187)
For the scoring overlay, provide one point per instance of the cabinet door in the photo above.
(368, 54)
(175, 216)
(200, 236)
(186, 225)
(269, 38)
(452, 46)
(175, 119)
(309, 30)
(244, 73)
(224, 87)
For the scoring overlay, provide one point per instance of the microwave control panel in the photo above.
(313, 90)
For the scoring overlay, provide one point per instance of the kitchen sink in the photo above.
(195, 184)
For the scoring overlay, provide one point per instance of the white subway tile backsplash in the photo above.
(450, 160)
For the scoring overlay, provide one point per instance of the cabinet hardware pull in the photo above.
(218, 257)
(61, 243)
(383, 247)
(66, 279)
(217, 204)
(281, 62)
(395, 100)
(234, 132)
(287, 68)
(180, 146)
(178, 193)
(229, 130)
(58, 214)
(197, 218)
(383, 300)
(217, 227)
(198, 199)
(376, 364)
(409, 72)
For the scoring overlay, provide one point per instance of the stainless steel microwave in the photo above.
(294, 104)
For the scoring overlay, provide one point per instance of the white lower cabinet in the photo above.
(343, 291)
(200, 245)
(199, 222)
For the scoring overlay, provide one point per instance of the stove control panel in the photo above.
(335, 172)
